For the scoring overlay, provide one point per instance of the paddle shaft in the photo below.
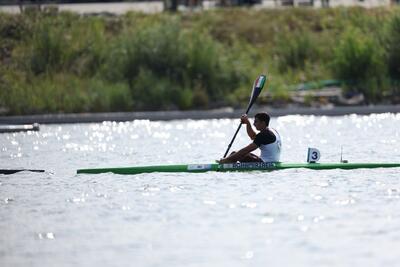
(234, 136)
(257, 87)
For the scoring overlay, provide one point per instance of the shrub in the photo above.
(63, 43)
(167, 63)
(394, 47)
(48, 49)
(294, 49)
(61, 93)
(359, 61)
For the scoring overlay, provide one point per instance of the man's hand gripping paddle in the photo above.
(257, 87)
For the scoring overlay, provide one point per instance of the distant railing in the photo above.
(180, 2)
(174, 5)
(47, 2)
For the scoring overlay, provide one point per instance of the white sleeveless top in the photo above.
(272, 152)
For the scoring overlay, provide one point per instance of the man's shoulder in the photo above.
(267, 132)
(265, 137)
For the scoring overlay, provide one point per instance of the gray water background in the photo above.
(282, 218)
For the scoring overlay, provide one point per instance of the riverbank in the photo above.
(67, 63)
(194, 114)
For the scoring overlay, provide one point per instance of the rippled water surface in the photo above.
(282, 218)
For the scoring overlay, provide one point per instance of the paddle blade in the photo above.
(257, 87)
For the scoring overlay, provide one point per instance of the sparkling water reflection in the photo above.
(283, 218)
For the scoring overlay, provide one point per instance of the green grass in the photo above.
(63, 62)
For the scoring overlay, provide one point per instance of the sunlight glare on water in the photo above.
(293, 217)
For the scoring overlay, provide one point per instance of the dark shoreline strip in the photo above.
(193, 114)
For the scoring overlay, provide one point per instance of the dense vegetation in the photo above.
(63, 62)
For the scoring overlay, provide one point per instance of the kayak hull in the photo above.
(262, 166)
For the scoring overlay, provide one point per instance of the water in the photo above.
(283, 218)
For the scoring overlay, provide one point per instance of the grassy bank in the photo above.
(62, 62)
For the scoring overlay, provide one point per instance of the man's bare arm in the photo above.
(250, 132)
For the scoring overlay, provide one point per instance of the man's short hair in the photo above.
(263, 117)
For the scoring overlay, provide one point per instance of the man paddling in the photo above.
(267, 140)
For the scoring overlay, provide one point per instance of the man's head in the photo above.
(261, 120)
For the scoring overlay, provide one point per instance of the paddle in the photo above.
(257, 87)
(8, 171)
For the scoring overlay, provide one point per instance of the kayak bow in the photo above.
(258, 166)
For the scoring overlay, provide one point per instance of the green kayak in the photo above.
(263, 166)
